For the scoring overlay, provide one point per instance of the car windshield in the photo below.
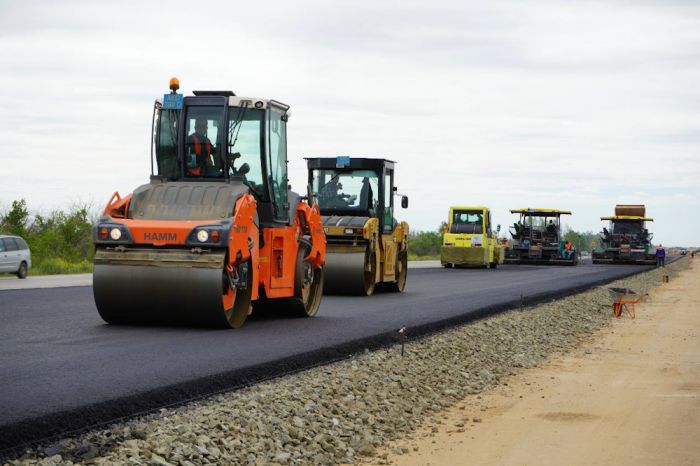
(356, 191)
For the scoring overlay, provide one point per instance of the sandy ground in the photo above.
(628, 396)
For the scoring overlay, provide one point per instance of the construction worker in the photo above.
(568, 250)
(200, 149)
(660, 256)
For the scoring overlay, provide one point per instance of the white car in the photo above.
(14, 256)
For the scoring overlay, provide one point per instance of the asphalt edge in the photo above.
(18, 436)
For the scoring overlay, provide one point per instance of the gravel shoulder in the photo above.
(630, 395)
(348, 411)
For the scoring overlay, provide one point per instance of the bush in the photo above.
(60, 242)
(425, 244)
(56, 265)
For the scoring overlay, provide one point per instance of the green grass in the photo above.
(55, 266)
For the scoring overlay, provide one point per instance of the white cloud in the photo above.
(559, 104)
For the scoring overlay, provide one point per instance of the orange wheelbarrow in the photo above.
(625, 299)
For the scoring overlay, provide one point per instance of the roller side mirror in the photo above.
(404, 202)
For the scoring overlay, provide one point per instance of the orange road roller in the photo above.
(217, 232)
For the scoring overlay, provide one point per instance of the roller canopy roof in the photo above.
(474, 207)
(352, 163)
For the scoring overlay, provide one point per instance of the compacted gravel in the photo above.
(341, 412)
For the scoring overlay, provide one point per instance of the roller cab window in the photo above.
(165, 142)
(245, 148)
(277, 162)
(464, 221)
(388, 217)
(203, 135)
(347, 192)
(628, 228)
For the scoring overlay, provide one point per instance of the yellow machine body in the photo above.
(366, 246)
(469, 240)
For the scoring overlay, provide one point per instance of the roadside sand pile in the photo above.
(341, 412)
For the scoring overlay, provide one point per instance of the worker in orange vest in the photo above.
(200, 149)
(568, 250)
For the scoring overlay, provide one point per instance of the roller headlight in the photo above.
(202, 236)
(115, 234)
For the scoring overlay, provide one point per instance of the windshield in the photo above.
(464, 216)
(205, 137)
(628, 228)
(203, 148)
(540, 221)
(245, 142)
(347, 190)
(467, 221)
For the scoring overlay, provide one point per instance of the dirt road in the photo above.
(629, 396)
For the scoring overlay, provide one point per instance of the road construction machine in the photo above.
(217, 230)
(627, 241)
(537, 239)
(366, 246)
(469, 240)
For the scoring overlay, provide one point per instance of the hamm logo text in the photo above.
(160, 236)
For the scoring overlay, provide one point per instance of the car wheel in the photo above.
(22, 272)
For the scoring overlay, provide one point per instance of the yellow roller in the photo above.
(366, 247)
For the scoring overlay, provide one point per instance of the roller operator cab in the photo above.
(537, 239)
(366, 245)
(217, 231)
(626, 240)
(469, 240)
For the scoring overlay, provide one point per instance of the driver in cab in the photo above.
(200, 149)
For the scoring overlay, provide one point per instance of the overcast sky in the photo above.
(570, 105)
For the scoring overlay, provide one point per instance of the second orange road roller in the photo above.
(216, 232)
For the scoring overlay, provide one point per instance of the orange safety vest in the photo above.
(198, 152)
(567, 246)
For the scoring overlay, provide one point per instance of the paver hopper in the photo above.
(217, 229)
(366, 245)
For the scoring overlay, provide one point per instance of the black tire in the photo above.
(493, 265)
(22, 271)
(307, 290)
(242, 305)
(447, 265)
(401, 273)
(369, 285)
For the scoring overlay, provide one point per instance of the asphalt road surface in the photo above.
(63, 368)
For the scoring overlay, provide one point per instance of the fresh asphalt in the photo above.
(62, 368)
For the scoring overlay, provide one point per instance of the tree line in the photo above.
(426, 244)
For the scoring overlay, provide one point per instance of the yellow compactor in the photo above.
(366, 246)
(469, 240)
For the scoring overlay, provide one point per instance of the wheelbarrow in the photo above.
(625, 299)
